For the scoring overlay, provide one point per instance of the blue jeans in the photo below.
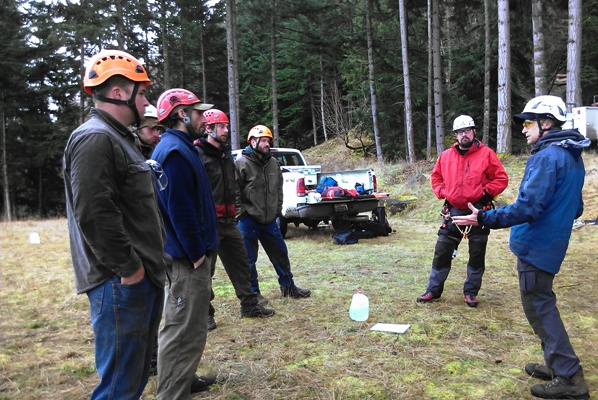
(125, 320)
(274, 245)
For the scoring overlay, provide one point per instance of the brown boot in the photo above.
(562, 388)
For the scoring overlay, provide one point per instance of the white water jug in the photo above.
(359, 310)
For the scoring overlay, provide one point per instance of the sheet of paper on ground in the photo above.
(393, 328)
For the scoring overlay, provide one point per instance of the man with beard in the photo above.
(189, 217)
(149, 131)
(220, 167)
(468, 172)
(259, 180)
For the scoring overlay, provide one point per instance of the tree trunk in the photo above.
(233, 66)
(487, 66)
(503, 123)
(438, 107)
(40, 192)
(539, 58)
(274, 79)
(574, 56)
(82, 95)
(368, 23)
(120, 29)
(322, 108)
(430, 83)
(408, 109)
(204, 85)
(312, 104)
(165, 53)
(7, 208)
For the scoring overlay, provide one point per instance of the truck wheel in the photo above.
(282, 225)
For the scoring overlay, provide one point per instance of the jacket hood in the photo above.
(569, 139)
(209, 148)
(248, 151)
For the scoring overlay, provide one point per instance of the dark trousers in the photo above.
(233, 255)
(449, 238)
(539, 304)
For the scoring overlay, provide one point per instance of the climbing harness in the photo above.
(446, 214)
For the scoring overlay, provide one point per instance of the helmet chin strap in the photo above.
(540, 129)
(129, 103)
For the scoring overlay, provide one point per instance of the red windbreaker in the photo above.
(462, 179)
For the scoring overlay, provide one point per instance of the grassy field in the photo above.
(311, 349)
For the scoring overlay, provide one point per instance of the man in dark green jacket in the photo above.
(259, 180)
(115, 228)
(220, 167)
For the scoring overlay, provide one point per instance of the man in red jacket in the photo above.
(467, 172)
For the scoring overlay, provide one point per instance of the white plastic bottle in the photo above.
(359, 310)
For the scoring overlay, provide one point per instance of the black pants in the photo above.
(449, 238)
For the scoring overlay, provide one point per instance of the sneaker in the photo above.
(295, 292)
(261, 300)
(427, 297)
(257, 311)
(539, 371)
(202, 383)
(472, 301)
(562, 388)
(211, 323)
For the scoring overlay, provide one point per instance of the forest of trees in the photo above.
(389, 75)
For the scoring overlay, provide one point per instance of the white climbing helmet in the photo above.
(462, 122)
(543, 107)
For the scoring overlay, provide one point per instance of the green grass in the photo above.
(311, 349)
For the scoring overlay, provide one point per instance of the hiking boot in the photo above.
(257, 311)
(539, 371)
(562, 388)
(261, 300)
(211, 323)
(472, 301)
(295, 292)
(202, 383)
(427, 297)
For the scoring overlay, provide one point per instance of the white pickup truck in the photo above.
(302, 204)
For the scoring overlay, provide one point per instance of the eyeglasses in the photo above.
(462, 131)
(161, 177)
(528, 124)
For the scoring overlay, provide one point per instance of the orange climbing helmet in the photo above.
(108, 63)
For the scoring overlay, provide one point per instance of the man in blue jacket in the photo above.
(549, 200)
(190, 221)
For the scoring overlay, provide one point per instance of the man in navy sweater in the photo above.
(190, 221)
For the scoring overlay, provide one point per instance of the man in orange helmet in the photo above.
(116, 232)
(219, 164)
(259, 180)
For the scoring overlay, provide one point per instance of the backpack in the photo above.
(345, 237)
(324, 183)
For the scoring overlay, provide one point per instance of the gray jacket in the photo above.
(115, 225)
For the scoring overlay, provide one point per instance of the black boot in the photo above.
(295, 292)
(539, 371)
(562, 388)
